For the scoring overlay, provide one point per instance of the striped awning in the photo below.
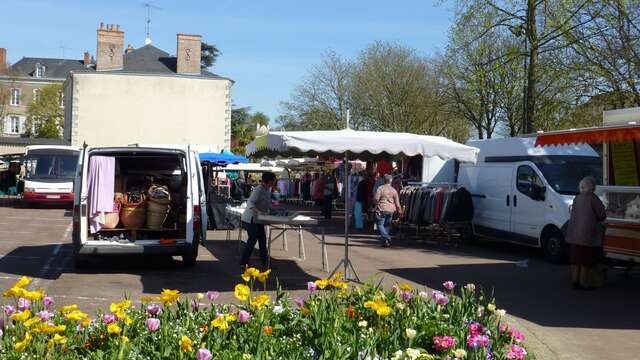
(595, 135)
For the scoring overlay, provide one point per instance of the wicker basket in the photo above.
(156, 214)
(111, 220)
(132, 216)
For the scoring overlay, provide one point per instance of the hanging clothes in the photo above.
(102, 173)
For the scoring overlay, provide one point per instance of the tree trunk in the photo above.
(531, 93)
(480, 132)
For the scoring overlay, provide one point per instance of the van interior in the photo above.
(137, 215)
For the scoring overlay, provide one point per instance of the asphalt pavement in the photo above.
(560, 322)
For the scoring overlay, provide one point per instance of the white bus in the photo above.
(49, 174)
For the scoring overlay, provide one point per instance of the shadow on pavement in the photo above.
(541, 293)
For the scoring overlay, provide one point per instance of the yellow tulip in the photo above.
(250, 273)
(34, 295)
(113, 328)
(220, 322)
(242, 292)
(260, 301)
(24, 281)
(322, 283)
(57, 340)
(21, 345)
(33, 321)
(262, 277)
(77, 315)
(124, 339)
(15, 292)
(186, 344)
(405, 287)
(69, 308)
(21, 316)
(230, 317)
(383, 310)
(169, 296)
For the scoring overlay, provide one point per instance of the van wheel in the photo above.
(554, 247)
(80, 261)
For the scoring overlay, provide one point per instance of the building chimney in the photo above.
(110, 51)
(87, 59)
(4, 67)
(188, 54)
(129, 49)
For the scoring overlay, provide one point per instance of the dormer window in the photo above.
(39, 70)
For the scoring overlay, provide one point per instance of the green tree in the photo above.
(395, 89)
(209, 55)
(321, 101)
(259, 119)
(45, 115)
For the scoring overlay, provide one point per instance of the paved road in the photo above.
(561, 323)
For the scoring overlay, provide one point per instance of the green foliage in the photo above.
(330, 322)
(243, 127)
(209, 55)
(45, 115)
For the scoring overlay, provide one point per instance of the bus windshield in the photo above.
(563, 173)
(53, 165)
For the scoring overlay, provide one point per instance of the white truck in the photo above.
(179, 167)
(522, 193)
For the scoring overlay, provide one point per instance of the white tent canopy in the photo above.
(252, 167)
(363, 145)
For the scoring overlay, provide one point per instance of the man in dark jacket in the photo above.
(584, 236)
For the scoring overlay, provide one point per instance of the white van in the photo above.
(522, 193)
(177, 166)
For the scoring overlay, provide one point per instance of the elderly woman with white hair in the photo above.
(584, 236)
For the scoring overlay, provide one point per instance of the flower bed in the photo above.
(332, 321)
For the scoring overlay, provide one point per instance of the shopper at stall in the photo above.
(584, 236)
(387, 203)
(258, 203)
(329, 192)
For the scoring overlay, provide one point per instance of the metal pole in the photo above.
(346, 210)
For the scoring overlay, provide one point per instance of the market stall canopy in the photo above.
(253, 167)
(364, 145)
(223, 158)
(594, 135)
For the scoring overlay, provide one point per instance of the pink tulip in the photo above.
(48, 301)
(299, 301)
(244, 316)
(443, 343)
(23, 304)
(204, 354)
(153, 324)
(45, 315)
(406, 295)
(440, 298)
(109, 318)
(9, 310)
(154, 309)
(449, 285)
(311, 286)
(477, 341)
(517, 352)
(212, 296)
(476, 329)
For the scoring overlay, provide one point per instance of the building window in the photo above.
(13, 125)
(15, 97)
(36, 94)
(39, 70)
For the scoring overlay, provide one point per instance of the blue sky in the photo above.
(267, 46)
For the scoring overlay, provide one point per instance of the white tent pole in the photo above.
(346, 214)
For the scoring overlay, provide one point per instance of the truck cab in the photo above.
(49, 174)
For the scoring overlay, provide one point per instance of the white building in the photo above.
(145, 95)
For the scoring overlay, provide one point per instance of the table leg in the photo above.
(240, 238)
(285, 246)
(269, 246)
(301, 252)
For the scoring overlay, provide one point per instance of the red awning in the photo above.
(596, 135)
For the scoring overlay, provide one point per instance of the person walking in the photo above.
(259, 203)
(387, 203)
(329, 191)
(584, 236)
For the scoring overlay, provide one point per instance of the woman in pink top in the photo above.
(387, 204)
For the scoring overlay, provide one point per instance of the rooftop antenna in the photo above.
(63, 48)
(149, 6)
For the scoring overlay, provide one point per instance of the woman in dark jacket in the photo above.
(584, 236)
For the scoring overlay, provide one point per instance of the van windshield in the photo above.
(563, 173)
